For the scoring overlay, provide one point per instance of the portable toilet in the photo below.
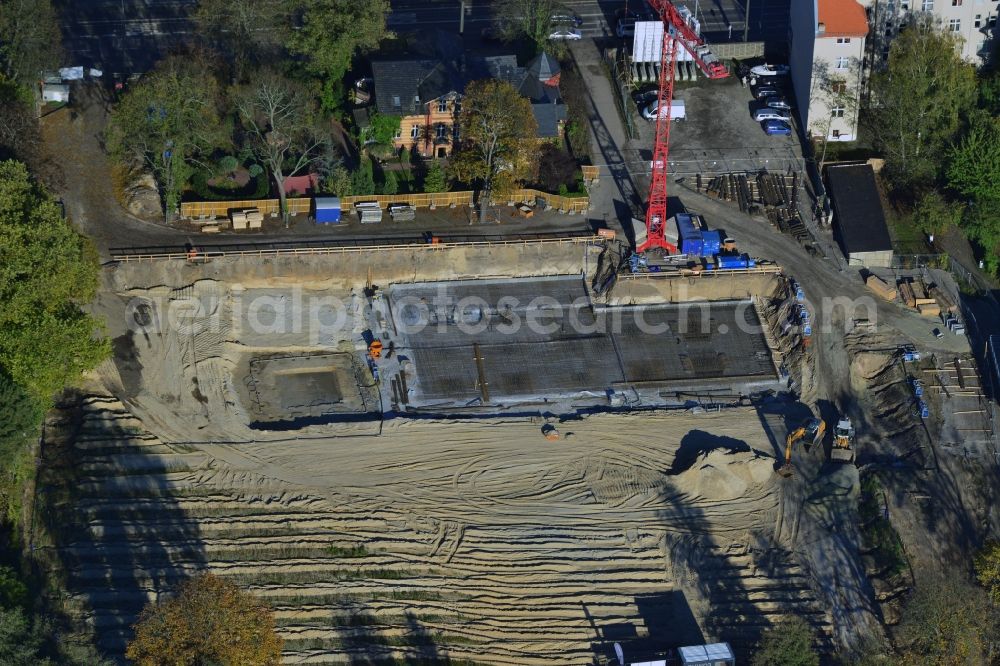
(327, 210)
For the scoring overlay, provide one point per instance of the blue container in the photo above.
(692, 246)
(687, 227)
(713, 242)
(327, 210)
(731, 261)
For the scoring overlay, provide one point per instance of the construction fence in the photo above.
(303, 206)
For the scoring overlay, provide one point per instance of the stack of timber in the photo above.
(916, 295)
(880, 287)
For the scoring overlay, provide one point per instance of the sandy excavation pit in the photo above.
(477, 542)
(282, 389)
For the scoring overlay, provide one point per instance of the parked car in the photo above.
(567, 18)
(770, 70)
(491, 33)
(626, 27)
(566, 33)
(676, 110)
(760, 115)
(763, 92)
(777, 128)
(778, 102)
(645, 97)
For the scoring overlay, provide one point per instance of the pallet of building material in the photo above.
(403, 212)
(929, 309)
(880, 287)
(906, 293)
(255, 219)
(239, 220)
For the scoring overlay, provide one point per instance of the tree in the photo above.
(247, 31)
(170, 123)
(837, 94)
(338, 182)
(435, 180)
(934, 214)
(947, 621)
(331, 32)
(390, 183)
(919, 100)
(974, 164)
(555, 168)
(209, 621)
(281, 126)
(21, 640)
(363, 179)
(30, 41)
(528, 18)
(499, 139)
(382, 128)
(46, 271)
(789, 643)
(988, 569)
(989, 91)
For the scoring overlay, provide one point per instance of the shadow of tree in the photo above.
(119, 537)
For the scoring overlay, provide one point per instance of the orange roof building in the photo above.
(841, 18)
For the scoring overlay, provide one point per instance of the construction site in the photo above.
(405, 474)
(524, 449)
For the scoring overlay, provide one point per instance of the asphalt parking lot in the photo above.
(719, 133)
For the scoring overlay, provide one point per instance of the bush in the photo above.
(988, 569)
(789, 643)
(255, 170)
(227, 164)
(257, 188)
(947, 621)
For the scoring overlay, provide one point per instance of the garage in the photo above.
(858, 219)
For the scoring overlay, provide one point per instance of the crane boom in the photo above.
(676, 29)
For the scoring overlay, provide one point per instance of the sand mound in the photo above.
(722, 475)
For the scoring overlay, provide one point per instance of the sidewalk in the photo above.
(617, 197)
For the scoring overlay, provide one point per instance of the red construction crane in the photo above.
(676, 29)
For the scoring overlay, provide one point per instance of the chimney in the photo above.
(821, 28)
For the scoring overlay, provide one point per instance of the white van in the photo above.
(676, 110)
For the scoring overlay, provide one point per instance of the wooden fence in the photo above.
(212, 209)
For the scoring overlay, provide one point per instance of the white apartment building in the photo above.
(826, 55)
(974, 21)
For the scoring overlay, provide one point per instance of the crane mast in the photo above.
(676, 31)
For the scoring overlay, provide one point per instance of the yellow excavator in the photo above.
(812, 429)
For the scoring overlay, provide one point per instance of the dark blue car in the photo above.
(776, 128)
